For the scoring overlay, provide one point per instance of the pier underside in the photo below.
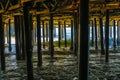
(59, 39)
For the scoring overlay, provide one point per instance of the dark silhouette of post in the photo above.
(59, 34)
(118, 33)
(114, 39)
(101, 37)
(92, 41)
(28, 35)
(23, 38)
(47, 32)
(10, 48)
(107, 37)
(96, 45)
(39, 42)
(51, 46)
(35, 32)
(17, 37)
(84, 40)
(43, 33)
(75, 33)
(2, 47)
(71, 35)
(65, 36)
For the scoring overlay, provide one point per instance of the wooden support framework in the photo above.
(118, 33)
(51, 46)
(96, 37)
(62, 31)
(114, 38)
(59, 34)
(65, 34)
(20, 36)
(43, 33)
(107, 37)
(28, 35)
(54, 31)
(71, 35)
(23, 49)
(75, 33)
(35, 33)
(7, 33)
(101, 36)
(84, 40)
(39, 41)
(47, 31)
(92, 41)
(2, 47)
(10, 48)
(110, 32)
(17, 37)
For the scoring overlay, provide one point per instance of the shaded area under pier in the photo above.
(64, 67)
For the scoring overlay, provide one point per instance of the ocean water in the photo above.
(68, 35)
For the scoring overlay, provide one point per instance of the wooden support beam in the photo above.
(118, 33)
(62, 32)
(35, 33)
(101, 37)
(39, 41)
(84, 40)
(110, 31)
(10, 48)
(20, 36)
(28, 30)
(1, 11)
(107, 37)
(51, 46)
(7, 33)
(17, 37)
(43, 34)
(14, 7)
(23, 38)
(92, 41)
(65, 34)
(114, 38)
(7, 4)
(75, 33)
(71, 48)
(47, 32)
(2, 47)
(2, 5)
(96, 36)
(54, 31)
(39, 49)
(46, 6)
(59, 34)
